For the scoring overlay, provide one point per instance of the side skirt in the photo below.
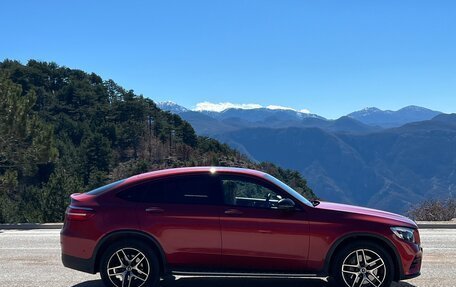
(250, 275)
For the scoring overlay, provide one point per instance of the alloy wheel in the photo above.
(363, 268)
(128, 267)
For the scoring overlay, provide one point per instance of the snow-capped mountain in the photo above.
(261, 114)
(210, 118)
(250, 113)
(386, 118)
(172, 107)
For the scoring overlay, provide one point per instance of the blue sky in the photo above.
(330, 57)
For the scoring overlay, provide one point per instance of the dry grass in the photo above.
(434, 210)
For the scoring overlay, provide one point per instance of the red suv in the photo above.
(231, 222)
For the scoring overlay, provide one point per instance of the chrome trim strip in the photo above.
(234, 274)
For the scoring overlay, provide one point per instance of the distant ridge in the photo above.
(387, 119)
(281, 116)
(212, 122)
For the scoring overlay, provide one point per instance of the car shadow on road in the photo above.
(92, 283)
(402, 284)
(236, 282)
(225, 282)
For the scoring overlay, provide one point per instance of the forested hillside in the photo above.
(64, 131)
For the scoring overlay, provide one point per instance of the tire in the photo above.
(362, 264)
(132, 262)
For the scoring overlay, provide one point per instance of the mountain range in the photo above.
(388, 119)
(381, 159)
(366, 120)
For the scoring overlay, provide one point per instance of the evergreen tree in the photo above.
(53, 197)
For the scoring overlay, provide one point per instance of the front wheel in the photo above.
(129, 263)
(362, 265)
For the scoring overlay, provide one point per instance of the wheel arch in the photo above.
(374, 238)
(112, 237)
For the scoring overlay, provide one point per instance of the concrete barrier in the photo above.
(437, 224)
(29, 226)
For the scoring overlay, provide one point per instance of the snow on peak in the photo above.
(219, 107)
(171, 107)
(275, 107)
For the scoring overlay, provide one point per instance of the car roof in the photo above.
(193, 170)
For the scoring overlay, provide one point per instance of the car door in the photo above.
(256, 236)
(183, 214)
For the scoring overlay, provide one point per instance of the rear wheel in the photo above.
(129, 264)
(362, 265)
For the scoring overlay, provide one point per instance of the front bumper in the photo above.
(414, 268)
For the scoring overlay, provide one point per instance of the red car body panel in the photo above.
(189, 235)
(264, 239)
(219, 237)
(330, 222)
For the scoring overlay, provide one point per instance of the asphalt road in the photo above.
(32, 258)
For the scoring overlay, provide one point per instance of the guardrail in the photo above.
(30, 226)
(437, 224)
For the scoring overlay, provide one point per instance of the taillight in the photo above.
(79, 213)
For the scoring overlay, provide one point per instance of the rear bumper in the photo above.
(77, 252)
(80, 264)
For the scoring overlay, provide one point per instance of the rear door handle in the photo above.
(154, 210)
(233, 212)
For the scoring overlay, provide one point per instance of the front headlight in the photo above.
(404, 233)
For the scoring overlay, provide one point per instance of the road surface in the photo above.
(32, 258)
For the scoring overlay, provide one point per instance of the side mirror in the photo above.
(286, 204)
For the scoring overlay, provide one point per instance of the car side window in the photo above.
(239, 192)
(192, 190)
(176, 190)
(152, 192)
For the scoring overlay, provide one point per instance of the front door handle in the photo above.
(154, 210)
(233, 211)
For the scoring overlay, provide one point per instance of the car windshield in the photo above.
(290, 190)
